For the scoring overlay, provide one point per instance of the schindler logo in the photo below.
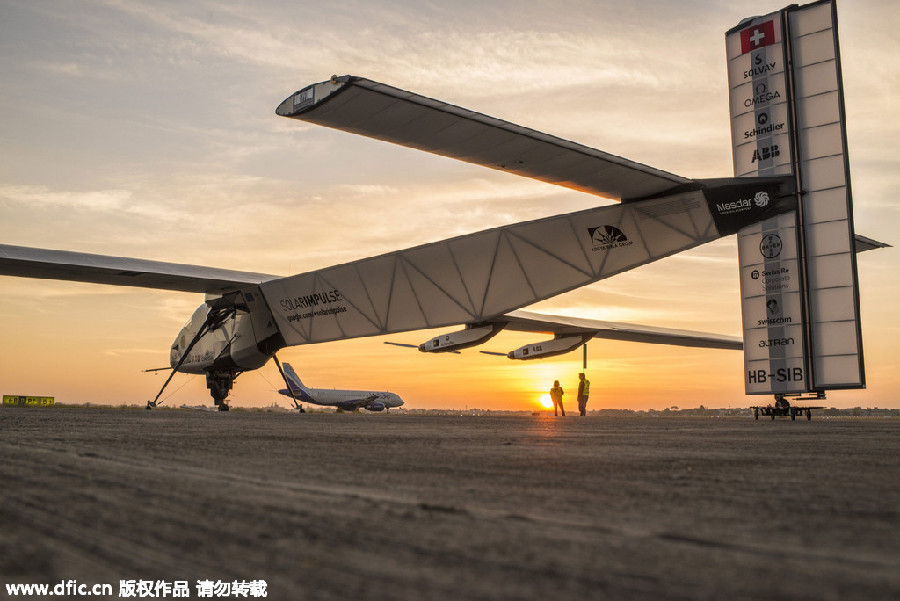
(763, 127)
(606, 237)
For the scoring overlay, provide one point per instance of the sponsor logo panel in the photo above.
(759, 35)
(770, 246)
(765, 62)
(764, 126)
(607, 237)
(774, 342)
(768, 155)
(735, 207)
(763, 93)
(762, 64)
(773, 279)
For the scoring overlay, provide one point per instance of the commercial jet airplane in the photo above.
(481, 280)
(347, 400)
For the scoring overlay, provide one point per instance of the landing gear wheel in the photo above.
(756, 413)
(808, 415)
(773, 415)
(219, 384)
(793, 414)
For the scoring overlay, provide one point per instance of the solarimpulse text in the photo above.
(311, 300)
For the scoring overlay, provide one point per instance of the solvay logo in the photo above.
(761, 199)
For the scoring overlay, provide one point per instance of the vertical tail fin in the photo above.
(293, 378)
(799, 289)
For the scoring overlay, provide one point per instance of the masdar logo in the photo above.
(606, 237)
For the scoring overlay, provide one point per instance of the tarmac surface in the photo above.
(399, 506)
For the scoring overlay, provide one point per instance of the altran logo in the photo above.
(761, 199)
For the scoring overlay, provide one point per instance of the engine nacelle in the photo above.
(375, 406)
(550, 348)
(456, 341)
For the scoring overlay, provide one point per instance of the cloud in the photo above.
(98, 200)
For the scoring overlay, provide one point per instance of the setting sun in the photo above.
(546, 402)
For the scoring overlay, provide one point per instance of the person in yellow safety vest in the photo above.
(584, 391)
(556, 395)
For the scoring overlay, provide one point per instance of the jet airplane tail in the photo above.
(300, 392)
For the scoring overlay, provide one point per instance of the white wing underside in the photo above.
(121, 271)
(376, 110)
(562, 325)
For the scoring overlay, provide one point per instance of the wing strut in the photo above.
(287, 383)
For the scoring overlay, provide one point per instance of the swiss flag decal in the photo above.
(757, 36)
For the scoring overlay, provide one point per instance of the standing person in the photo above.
(584, 391)
(556, 395)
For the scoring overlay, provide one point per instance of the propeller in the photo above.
(415, 346)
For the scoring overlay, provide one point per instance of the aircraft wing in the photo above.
(528, 321)
(356, 404)
(122, 271)
(372, 109)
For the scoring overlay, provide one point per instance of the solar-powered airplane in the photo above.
(481, 281)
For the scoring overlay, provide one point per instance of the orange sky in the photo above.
(135, 130)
